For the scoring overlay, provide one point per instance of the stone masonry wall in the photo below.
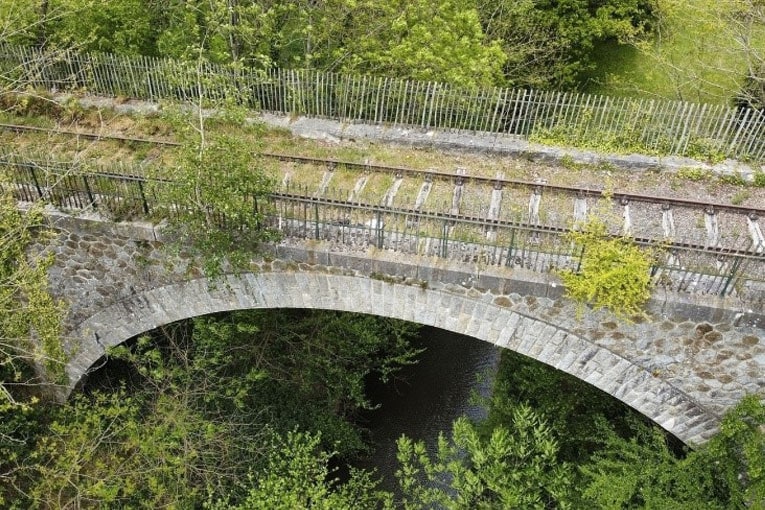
(682, 366)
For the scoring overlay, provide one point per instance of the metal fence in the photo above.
(644, 125)
(299, 213)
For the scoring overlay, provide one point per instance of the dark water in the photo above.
(428, 396)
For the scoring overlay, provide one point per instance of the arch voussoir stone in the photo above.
(474, 315)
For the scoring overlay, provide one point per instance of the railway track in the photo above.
(690, 222)
(709, 246)
(429, 174)
(18, 128)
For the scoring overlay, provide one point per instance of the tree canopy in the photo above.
(461, 42)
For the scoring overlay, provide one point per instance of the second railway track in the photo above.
(707, 246)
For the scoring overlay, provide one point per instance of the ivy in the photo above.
(30, 318)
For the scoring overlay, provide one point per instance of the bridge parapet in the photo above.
(683, 365)
(731, 269)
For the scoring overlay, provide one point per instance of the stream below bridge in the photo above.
(425, 398)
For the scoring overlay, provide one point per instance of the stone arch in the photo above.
(473, 316)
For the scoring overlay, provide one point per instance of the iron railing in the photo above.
(481, 242)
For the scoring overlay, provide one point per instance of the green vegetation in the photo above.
(218, 194)
(462, 42)
(702, 51)
(26, 307)
(298, 476)
(614, 273)
(30, 328)
(196, 410)
(624, 462)
(251, 409)
(515, 466)
(554, 44)
(695, 50)
(714, 57)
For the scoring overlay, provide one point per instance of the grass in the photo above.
(109, 155)
(695, 56)
(440, 197)
(407, 193)
(376, 187)
(345, 180)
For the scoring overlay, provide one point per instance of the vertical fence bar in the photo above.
(731, 275)
(668, 125)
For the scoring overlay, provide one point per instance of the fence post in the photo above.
(143, 198)
(731, 275)
(316, 220)
(89, 192)
(379, 226)
(509, 260)
(581, 256)
(305, 219)
(37, 183)
(445, 239)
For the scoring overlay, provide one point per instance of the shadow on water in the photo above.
(427, 397)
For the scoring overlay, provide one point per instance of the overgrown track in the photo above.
(537, 187)
(82, 134)
(702, 247)
(494, 224)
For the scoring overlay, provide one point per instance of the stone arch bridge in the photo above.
(682, 367)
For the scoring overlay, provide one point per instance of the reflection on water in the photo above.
(428, 396)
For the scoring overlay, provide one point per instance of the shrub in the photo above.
(614, 272)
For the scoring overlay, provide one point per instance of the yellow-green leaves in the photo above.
(30, 319)
(515, 467)
(614, 272)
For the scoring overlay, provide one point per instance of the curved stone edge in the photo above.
(669, 407)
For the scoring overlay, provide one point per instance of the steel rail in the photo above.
(537, 187)
(509, 224)
(89, 136)
(446, 217)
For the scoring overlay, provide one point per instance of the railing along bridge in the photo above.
(730, 264)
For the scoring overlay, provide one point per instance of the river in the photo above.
(426, 397)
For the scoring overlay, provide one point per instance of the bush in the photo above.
(614, 272)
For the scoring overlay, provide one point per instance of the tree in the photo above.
(217, 192)
(550, 44)
(578, 420)
(20, 22)
(422, 40)
(727, 472)
(312, 365)
(708, 51)
(752, 92)
(19, 426)
(125, 27)
(97, 451)
(31, 355)
(641, 472)
(298, 477)
(236, 32)
(737, 454)
(515, 467)
(191, 411)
